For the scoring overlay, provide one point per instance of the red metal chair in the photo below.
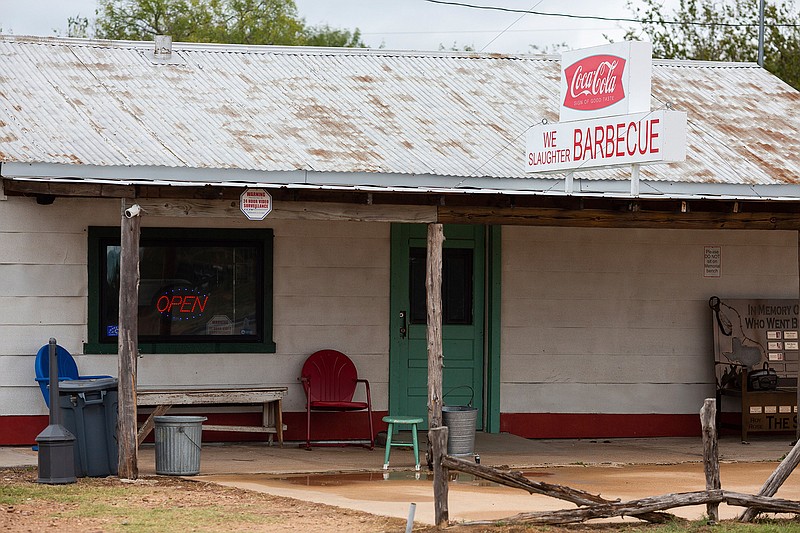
(329, 379)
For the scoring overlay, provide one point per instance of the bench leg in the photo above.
(147, 427)
(278, 406)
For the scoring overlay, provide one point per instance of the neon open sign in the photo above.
(182, 304)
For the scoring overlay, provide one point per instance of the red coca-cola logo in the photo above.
(594, 82)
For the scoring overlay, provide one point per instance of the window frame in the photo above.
(100, 235)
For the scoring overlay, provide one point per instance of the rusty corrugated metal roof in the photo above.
(349, 117)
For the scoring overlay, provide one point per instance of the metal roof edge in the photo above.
(322, 50)
(179, 46)
(551, 185)
(705, 63)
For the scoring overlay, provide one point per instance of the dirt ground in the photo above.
(185, 504)
(153, 494)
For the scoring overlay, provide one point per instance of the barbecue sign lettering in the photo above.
(654, 137)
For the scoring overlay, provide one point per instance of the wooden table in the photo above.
(270, 398)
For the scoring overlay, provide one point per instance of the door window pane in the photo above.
(456, 286)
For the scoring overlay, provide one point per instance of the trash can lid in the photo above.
(178, 420)
(87, 385)
(458, 408)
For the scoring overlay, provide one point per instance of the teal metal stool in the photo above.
(401, 420)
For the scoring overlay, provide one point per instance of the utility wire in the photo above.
(471, 32)
(509, 26)
(609, 19)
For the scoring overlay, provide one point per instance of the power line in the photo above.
(531, 30)
(512, 24)
(607, 19)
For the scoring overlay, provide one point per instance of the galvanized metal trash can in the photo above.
(460, 421)
(89, 411)
(178, 440)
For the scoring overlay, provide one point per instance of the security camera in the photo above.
(133, 211)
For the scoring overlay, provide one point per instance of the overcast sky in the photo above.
(398, 24)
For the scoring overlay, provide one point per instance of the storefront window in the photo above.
(199, 290)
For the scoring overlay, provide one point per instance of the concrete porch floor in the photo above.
(494, 449)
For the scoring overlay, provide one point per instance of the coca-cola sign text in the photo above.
(594, 82)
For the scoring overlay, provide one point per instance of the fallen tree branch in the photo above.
(630, 508)
(761, 503)
(517, 480)
(649, 505)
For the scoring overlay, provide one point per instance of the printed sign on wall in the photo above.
(256, 204)
(750, 333)
(712, 262)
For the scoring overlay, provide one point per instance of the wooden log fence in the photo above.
(774, 482)
(592, 506)
(708, 416)
(517, 480)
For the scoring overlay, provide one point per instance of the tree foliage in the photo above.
(724, 30)
(214, 21)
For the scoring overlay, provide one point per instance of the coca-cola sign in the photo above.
(604, 81)
(594, 82)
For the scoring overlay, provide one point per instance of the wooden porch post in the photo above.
(127, 343)
(436, 434)
(433, 286)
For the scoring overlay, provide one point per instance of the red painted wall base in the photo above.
(22, 430)
(579, 425)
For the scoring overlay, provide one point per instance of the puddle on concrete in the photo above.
(345, 479)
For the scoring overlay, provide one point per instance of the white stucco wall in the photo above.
(617, 320)
(593, 320)
(331, 284)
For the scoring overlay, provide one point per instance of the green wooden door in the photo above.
(462, 319)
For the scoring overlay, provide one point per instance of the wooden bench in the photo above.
(270, 398)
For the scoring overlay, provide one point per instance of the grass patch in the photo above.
(147, 506)
(123, 518)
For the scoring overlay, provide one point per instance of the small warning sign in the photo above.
(219, 325)
(256, 204)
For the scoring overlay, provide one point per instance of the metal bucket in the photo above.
(460, 421)
(178, 441)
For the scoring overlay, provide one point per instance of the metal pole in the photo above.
(410, 521)
(53, 382)
(761, 33)
(56, 444)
